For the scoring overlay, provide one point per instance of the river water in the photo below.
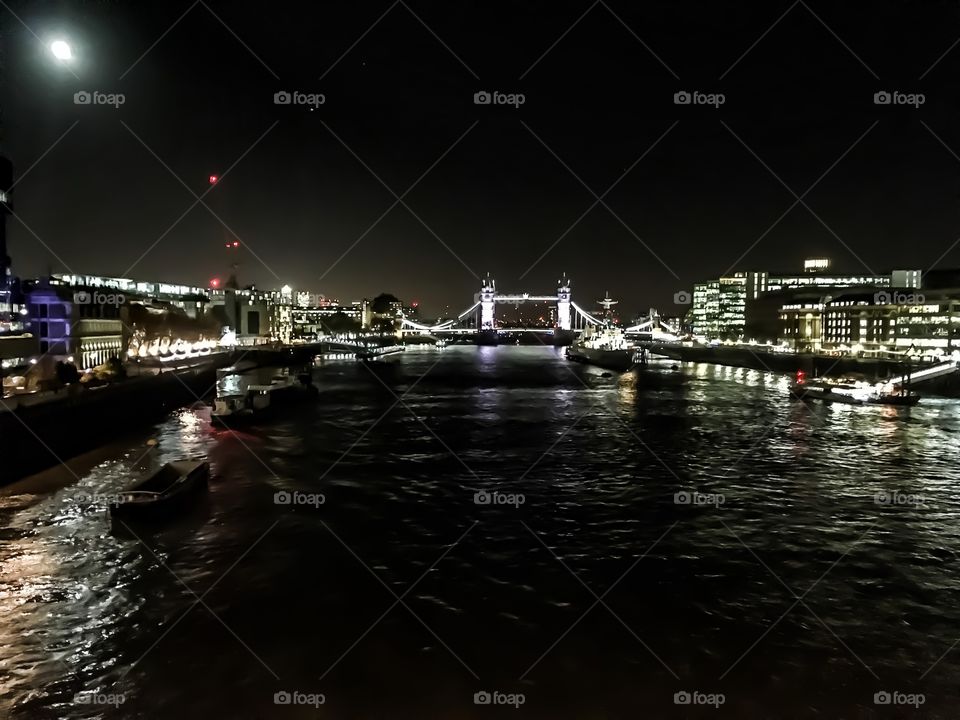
(662, 535)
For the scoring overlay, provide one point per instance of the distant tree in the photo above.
(116, 368)
(161, 319)
(341, 323)
(216, 316)
(67, 373)
(381, 303)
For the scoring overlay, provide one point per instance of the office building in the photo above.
(747, 305)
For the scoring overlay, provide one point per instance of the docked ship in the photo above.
(259, 400)
(606, 348)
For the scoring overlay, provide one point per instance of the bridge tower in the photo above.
(563, 303)
(488, 292)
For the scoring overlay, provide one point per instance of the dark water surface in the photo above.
(599, 597)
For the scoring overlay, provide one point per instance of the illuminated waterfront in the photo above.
(700, 596)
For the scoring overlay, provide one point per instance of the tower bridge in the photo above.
(481, 317)
(570, 320)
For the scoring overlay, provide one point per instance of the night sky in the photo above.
(799, 82)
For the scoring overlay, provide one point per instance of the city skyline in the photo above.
(416, 359)
(100, 188)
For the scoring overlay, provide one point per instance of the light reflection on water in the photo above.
(598, 459)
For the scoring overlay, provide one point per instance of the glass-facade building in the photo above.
(719, 307)
(750, 305)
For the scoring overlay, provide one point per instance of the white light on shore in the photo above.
(61, 50)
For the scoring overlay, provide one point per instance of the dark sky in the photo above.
(399, 99)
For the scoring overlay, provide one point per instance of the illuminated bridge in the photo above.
(654, 329)
(481, 317)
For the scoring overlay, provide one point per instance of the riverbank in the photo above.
(40, 430)
(39, 436)
(814, 365)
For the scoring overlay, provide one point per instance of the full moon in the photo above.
(61, 50)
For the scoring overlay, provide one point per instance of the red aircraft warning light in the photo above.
(213, 179)
(214, 282)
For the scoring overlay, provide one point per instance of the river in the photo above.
(575, 543)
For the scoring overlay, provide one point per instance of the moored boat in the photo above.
(852, 392)
(282, 387)
(238, 408)
(258, 400)
(167, 490)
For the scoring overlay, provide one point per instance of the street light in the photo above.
(61, 50)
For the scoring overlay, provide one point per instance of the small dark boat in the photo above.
(165, 491)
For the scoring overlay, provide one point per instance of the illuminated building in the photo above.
(191, 300)
(907, 279)
(87, 316)
(932, 324)
(311, 323)
(719, 307)
(800, 324)
(6, 186)
(893, 321)
(816, 264)
(857, 322)
(281, 315)
(366, 314)
(67, 322)
(17, 345)
(704, 312)
(247, 313)
(748, 305)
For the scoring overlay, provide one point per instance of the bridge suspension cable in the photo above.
(446, 324)
(653, 325)
(585, 315)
